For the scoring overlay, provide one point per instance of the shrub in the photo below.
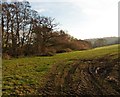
(49, 52)
(6, 56)
(64, 50)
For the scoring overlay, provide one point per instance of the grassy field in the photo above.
(25, 75)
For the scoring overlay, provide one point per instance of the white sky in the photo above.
(82, 18)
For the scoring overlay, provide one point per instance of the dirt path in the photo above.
(84, 77)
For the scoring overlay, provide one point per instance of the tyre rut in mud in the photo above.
(84, 77)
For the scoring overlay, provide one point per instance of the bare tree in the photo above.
(43, 33)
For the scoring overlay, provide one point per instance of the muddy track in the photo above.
(84, 77)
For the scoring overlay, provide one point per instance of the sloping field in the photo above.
(92, 72)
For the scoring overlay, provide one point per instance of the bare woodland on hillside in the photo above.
(25, 32)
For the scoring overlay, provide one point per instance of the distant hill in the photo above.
(107, 40)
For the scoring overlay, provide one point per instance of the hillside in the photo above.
(108, 40)
(92, 72)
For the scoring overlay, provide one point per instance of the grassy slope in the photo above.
(24, 75)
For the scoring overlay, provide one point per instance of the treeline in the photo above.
(25, 32)
(98, 42)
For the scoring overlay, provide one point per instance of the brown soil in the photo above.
(84, 77)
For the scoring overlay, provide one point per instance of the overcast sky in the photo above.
(82, 19)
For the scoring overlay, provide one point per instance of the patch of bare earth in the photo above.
(84, 77)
